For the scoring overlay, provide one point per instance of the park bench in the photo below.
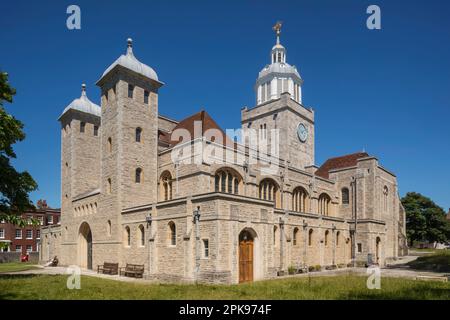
(108, 268)
(132, 270)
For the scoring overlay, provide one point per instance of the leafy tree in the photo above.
(14, 186)
(425, 220)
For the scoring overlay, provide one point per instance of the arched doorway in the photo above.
(85, 246)
(246, 256)
(377, 250)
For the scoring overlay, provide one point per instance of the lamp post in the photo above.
(148, 219)
(197, 239)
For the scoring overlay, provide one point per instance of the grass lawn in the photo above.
(16, 266)
(336, 287)
(438, 261)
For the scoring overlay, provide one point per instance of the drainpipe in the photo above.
(148, 218)
(281, 244)
(197, 239)
(355, 219)
(305, 237)
(334, 243)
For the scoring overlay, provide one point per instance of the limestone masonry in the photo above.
(136, 187)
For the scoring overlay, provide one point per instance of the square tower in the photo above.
(130, 132)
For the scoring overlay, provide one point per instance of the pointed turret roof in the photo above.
(83, 104)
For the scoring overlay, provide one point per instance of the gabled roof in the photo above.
(349, 160)
(202, 118)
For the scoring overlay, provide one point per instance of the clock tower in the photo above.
(279, 108)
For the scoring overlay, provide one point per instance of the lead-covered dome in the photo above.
(83, 104)
(130, 62)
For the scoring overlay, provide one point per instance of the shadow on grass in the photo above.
(438, 262)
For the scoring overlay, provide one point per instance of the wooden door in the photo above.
(246, 259)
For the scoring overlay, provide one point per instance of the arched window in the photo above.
(345, 195)
(108, 228)
(385, 198)
(338, 235)
(268, 190)
(109, 144)
(300, 200)
(127, 236)
(138, 175)
(217, 183)
(138, 134)
(142, 236)
(326, 237)
(310, 237)
(227, 181)
(294, 236)
(166, 185)
(172, 234)
(324, 204)
(230, 183)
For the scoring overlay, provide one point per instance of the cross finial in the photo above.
(277, 29)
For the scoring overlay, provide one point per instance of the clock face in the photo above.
(302, 132)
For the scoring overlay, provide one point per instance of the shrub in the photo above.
(292, 269)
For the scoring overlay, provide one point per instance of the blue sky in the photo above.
(386, 91)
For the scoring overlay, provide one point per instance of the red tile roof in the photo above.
(189, 124)
(346, 161)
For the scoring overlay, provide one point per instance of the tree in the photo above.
(425, 220)
(14, 186)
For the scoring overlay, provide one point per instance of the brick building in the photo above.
(27, 239)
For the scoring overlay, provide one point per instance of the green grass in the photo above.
(16, 266)
(438, 261)
(336, 287)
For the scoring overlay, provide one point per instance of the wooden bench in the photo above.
(132, 270)
(108, 268)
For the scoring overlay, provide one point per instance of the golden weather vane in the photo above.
(277, 29)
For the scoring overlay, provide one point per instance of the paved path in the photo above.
(397, 269)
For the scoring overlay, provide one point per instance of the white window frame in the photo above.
(29, 246)
(21, 234)
(38, 234)
(18, 248)
(2, 233)
(26, 234)
(50, 219)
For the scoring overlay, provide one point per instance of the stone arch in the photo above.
(324, 204)
(269, 189)
(228, 180)
(165, 185)
(85, 254)
(300, 200)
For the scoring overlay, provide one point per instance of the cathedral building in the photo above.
(137, 188)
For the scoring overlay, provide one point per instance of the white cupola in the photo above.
(279, 76)
(83, 104)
